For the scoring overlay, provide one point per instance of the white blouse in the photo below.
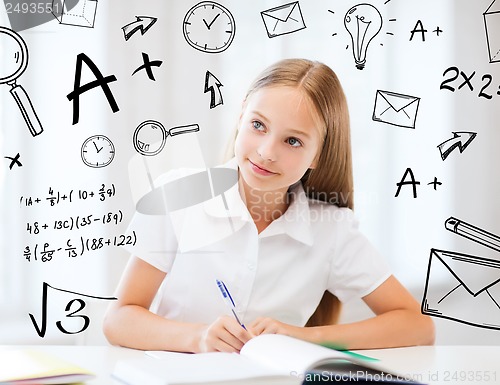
(280, 273)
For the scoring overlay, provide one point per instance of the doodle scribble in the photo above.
(150, 136)
(148, 65)
(473, 233)
(14, 161)
(143, 24)
(78, 13)
(472, 295)
(492, 27)
(283, 20)
(98, 151)
(460, 140)
(408, 179)
(213, 85)
(209, 27)
(453, 73)
(41, 329)
(100, 81)
(395, 109)
(363, 22)
(15, 54)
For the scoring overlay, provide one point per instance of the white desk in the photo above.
(428, 364)
(466, 365)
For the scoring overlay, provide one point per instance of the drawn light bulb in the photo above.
(363, 22)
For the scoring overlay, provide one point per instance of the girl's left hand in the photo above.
(265, 325)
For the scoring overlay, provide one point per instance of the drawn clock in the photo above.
(98, 151)
(209, 27)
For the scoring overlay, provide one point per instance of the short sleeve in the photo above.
(156, 242)
(356, 268)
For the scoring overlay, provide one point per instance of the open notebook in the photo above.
(267, 359)
(26, 366)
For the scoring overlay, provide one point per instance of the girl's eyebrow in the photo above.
(292, 131)
(262, 116)
(300, 133)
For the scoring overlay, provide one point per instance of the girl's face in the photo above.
(278, 139)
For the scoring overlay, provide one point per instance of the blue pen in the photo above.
(228, 300)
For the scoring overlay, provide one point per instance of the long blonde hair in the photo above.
(331, 180)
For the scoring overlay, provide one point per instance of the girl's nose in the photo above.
(267, 149)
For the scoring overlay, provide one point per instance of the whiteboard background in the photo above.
(404, 229)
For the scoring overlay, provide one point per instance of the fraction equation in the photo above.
(44, 252)
(75, 222)
(54, 197)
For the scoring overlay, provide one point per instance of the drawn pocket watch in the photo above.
(98, 151)
(209, 27)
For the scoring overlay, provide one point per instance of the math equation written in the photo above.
(75, 222)
(55, 197)
(45, 252)
(74, 311)
(62, 232)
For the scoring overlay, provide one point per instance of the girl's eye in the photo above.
(294, 142)
(257, 125)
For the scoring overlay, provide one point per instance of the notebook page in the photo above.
(178, 367)
(287, 355)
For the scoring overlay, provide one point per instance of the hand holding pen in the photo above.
(226, 333)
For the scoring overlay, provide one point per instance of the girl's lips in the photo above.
(260, 170)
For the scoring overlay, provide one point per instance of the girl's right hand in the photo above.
(225, 334)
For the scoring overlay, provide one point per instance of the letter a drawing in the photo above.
(99, 82)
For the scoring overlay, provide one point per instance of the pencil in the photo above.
(473, 233)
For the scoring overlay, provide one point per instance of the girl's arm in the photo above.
(397, 322)
(128, 321)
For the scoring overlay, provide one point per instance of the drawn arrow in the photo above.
(210, 83)
(460, 140)
(143, 23)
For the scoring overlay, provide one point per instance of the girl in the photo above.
(294, 247)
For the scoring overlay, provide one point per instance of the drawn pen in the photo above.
(473, 233)
(228, 300)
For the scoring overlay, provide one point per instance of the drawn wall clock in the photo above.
(98, 151)
(209, 27)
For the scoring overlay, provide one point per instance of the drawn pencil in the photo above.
(473, 233)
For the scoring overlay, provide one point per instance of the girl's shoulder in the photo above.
(320, 211)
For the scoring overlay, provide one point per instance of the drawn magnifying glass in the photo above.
(13, 62)
(150, 136)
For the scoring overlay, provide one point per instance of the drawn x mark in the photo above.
(15, 161)
(147, 66)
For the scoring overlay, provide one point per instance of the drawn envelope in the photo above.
(472, 295)
(396, 109)
(284, 19)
